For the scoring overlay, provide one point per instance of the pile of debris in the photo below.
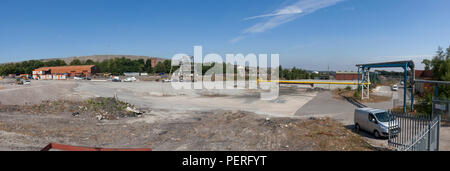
(102, 108)
(109, 108)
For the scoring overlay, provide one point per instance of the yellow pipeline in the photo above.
(311, 82)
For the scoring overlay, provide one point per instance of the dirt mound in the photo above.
(101, 108)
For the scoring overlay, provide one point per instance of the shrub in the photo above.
(348, 88)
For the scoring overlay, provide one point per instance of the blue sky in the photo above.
(310, 34)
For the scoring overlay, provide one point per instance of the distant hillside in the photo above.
(103, 57)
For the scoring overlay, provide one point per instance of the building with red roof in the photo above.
(64, 72)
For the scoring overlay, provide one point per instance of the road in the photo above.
(325, 105)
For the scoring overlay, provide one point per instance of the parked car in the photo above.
(395, 87)
(116, 80)
(376, 121)
(131, 79)
(77, 78)
(27, 82)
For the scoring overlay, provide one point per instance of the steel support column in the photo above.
(365, 84)
(405, 88)
(359, 76)
(436, 91)
(413, 85)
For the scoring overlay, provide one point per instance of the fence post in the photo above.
(438, 138)
(429, 135)
(433, 103)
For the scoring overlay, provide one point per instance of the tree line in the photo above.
(296, 74)
(440, 67)
(116, 66)
(27, 67)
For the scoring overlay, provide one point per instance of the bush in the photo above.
(348, 88)
(109, 108)
(357, 94)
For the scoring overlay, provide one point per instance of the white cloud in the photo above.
(285, 14)
(237, 39)
(290, 10)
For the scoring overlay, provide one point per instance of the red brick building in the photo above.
(346, 76)
(424, 74)
(422, 88)
(64, 72)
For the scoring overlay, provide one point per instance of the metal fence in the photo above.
(442, 107)
(409, 132)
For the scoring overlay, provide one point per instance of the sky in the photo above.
(308, 34)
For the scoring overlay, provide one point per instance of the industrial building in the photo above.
(64, 72)
(346, 76)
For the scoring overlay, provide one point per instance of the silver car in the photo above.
(375, 121)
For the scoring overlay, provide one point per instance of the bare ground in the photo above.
(204, 131)
(175, 120)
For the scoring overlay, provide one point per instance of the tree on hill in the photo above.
(148, 66)
(160, 68)
(76, 62)
(89, 62)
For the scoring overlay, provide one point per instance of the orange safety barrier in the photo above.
(77, 148)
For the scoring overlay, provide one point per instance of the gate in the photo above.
(408, 132)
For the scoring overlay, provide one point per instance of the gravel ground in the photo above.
(37, 92)
(176, 119)
(204, 131)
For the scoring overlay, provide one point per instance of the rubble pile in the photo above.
(101, 108)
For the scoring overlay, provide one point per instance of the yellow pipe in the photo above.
(312, 82)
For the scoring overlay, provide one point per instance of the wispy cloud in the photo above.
(284, 15)
(289, 10)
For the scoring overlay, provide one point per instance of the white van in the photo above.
(375, 121)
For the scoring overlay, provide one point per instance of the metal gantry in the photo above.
(365, 69)
(365, 83)
(436, 84)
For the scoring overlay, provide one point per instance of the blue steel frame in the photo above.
(400, 64)
(436, 84)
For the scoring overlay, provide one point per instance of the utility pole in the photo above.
(329, 85)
